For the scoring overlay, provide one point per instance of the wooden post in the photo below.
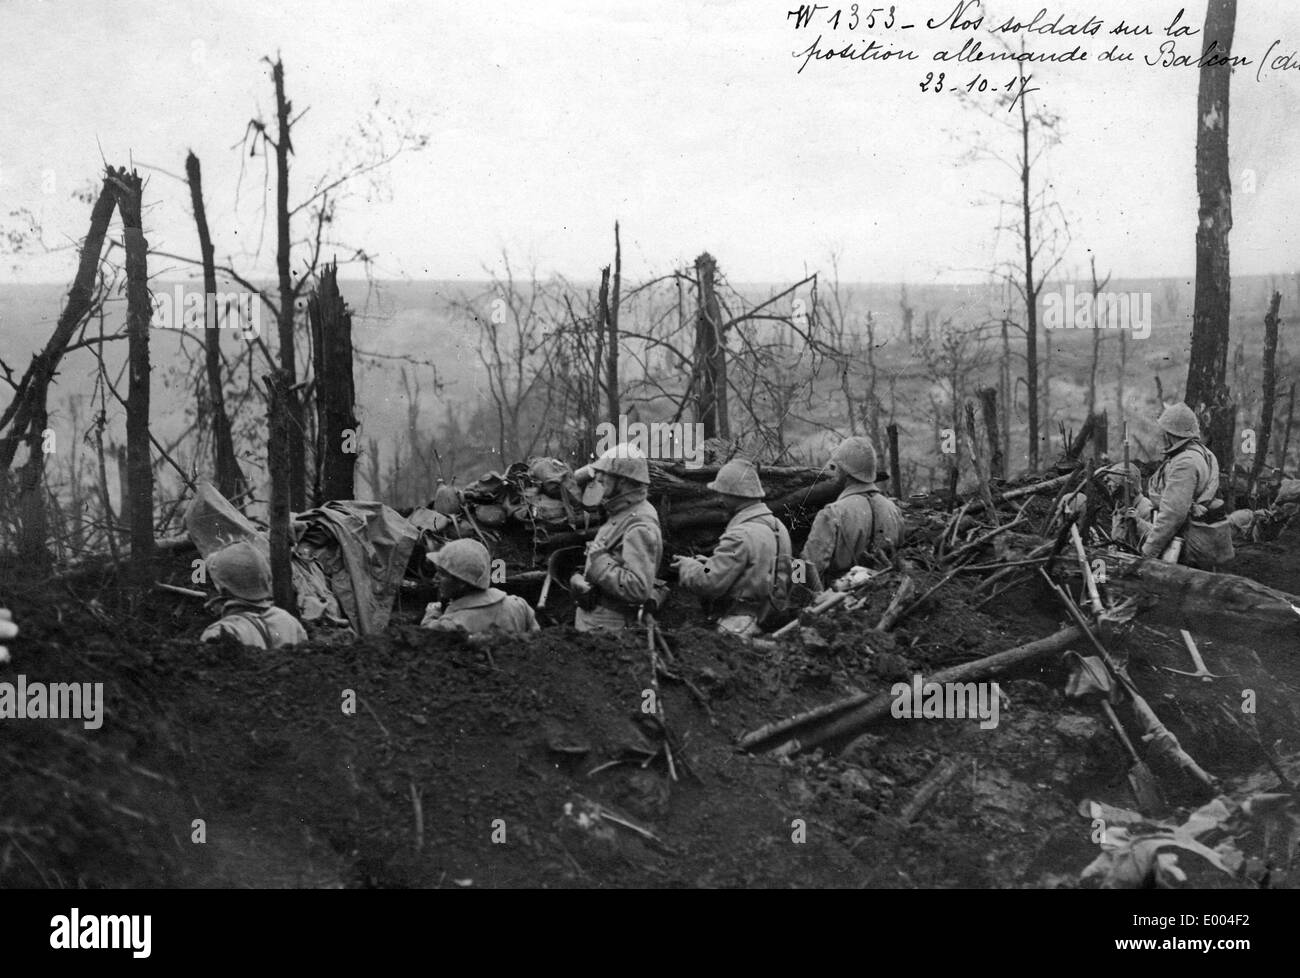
(895, 473)
(336, 424)
(989, 409)
(128, 189)
(281, 533)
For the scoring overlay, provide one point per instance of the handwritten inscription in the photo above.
(965, 33)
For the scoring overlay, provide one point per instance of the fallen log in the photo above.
(849, 718)
(1225, 605)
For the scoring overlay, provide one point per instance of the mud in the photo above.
(533, 763)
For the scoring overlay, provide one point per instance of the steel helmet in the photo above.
(465, 560)
(241, 570)
(1179, 421)
(857, 457)
(624, 460)
(738, 477)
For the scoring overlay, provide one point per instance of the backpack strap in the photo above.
(258, 624)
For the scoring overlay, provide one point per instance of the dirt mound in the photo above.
(416, 759)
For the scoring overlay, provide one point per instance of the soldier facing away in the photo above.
(860, 522)
(1185, 492)
(242, 577)
(752, 559)
(469, 603)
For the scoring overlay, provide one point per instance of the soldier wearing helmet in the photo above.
(241, 574)
(1185, 486)
(619, 574)
(860, 522)
(469, 602)
(751, 562)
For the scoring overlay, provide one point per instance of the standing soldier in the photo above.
(860, 522)
(751, 563)
(469, 602)
(619, 575)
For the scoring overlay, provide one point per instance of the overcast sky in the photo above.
(684, 120)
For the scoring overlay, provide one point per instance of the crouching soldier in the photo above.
(242, 577)
(1185, 493)
(619, 574)
(469, 602)
(751, 563)
(862, 521)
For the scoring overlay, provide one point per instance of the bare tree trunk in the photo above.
(1007, 393)
(1096, 335)
(336, 425)
(230, 481)
(1031, 290)
(1270, 392)
(278, 461)
(1207, 368)
(602, 332)
(989, 409)
(33, 547)
(1286, 435)
(124, 495)
(1122, 374)
(373, 468)
(296, 445)
(611, 319)
(128, 188)
(872, 421)
(711, 354)
(895, 474)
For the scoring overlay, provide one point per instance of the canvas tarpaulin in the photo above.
(352, 580)
(373, 545)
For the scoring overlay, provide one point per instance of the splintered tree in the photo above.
(1207, 368)
(128, 189)
(26, 416)
(336, 425)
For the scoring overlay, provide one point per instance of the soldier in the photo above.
(1183, 490)
(751, 563)
(242, 577)
(619, 574)
(469, 602)
(860, 522)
